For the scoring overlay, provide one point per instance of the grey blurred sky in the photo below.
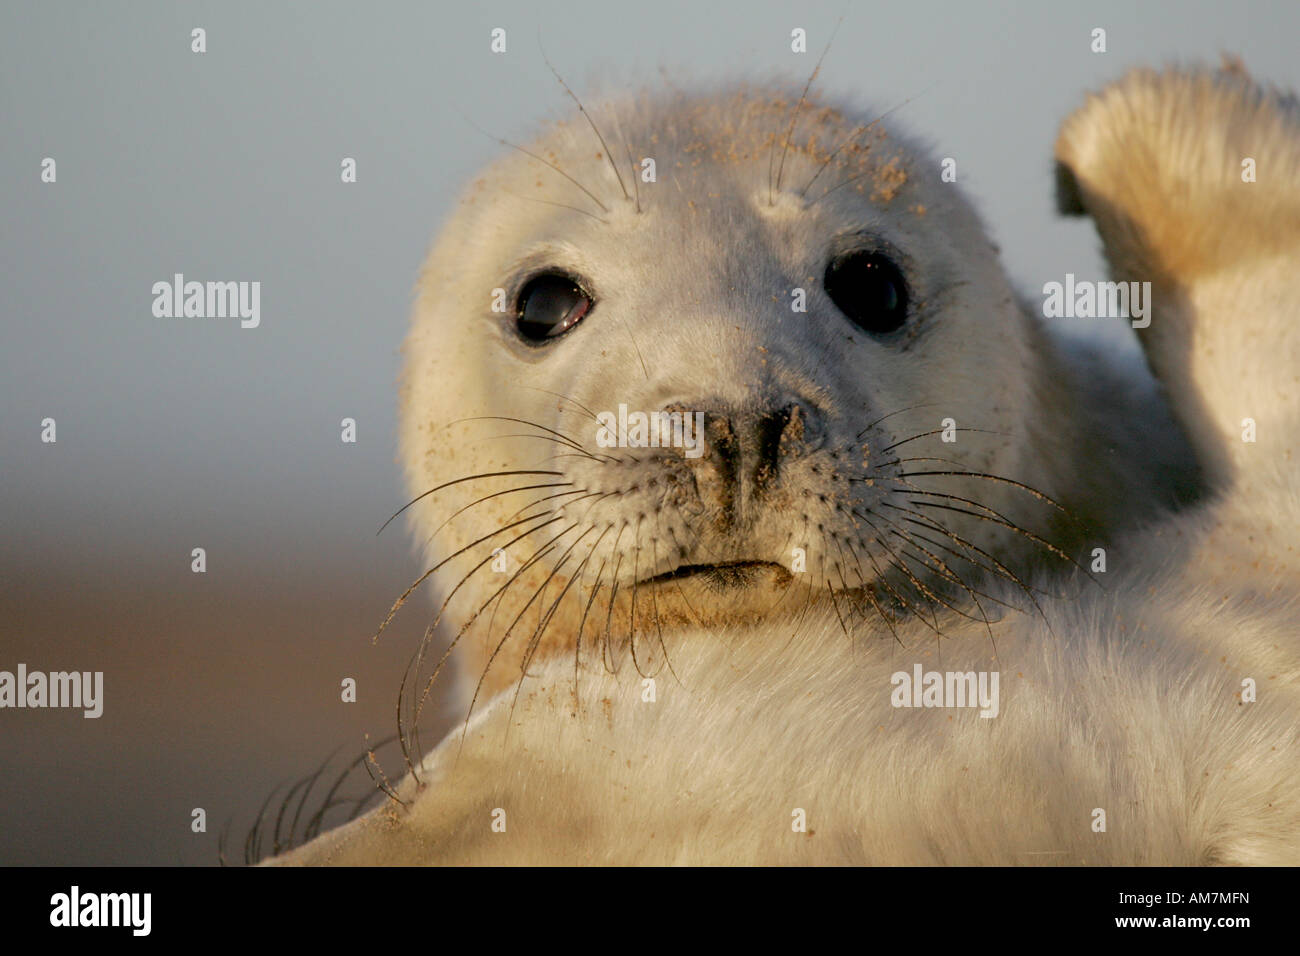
(226, 165)
(179, 433)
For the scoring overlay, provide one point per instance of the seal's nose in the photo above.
(746, 450)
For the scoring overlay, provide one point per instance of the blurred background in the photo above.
(182, 433)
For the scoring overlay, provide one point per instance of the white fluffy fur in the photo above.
(1125, 695)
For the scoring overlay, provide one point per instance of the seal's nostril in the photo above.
(746, 448)
(780, 434)
(795, 418)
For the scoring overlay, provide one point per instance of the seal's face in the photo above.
(725, 395)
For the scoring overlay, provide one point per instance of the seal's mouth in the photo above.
(727, 575)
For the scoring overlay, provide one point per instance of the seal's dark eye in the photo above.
(869, 289)
(549, 305)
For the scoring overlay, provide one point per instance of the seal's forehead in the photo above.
(746, 136)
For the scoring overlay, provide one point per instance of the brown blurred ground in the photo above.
(218, 687)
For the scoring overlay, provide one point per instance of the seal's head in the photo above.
(719, 359)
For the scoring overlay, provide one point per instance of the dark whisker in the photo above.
(559, 395)
(561, 205)
(565, 439)
(849, 181)
(942, 567)
(535, 641)
(892, 414)
(830, 590)
(497, 494)
(636, 182)
(307, 785)
(581, 492)
(794, 116)
(506, 636)
(587, 116)
(871, 597)
(316, 821)
(253, 840)
(429, 631)
(852, 136)
(916, 582)
(636, 348)
(658, 624)
(425, 576)
(529, 153)
(882, 580)
(457, 481)
(1001, 569)
(636, 561)
(607, 658)
(381, 781)
(541, 552)
(938, 431)
(1006, 481)
(1010, 525)
(595, 590)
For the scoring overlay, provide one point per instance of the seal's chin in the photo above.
(726, 576)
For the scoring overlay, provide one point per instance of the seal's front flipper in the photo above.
(1193, 180)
